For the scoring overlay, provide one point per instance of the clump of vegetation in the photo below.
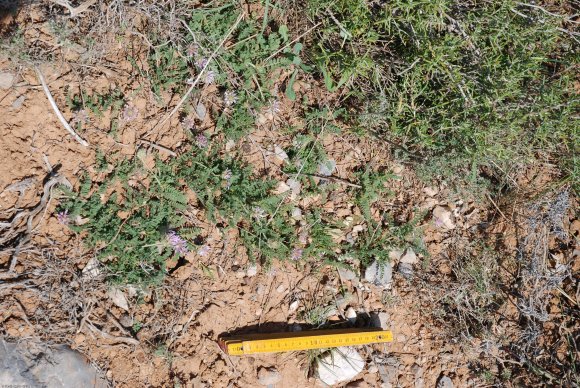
(464, 86)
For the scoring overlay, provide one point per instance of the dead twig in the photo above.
(57, 111)
(157, 147)
(75, 11)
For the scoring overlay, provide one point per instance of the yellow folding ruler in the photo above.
(294, 341)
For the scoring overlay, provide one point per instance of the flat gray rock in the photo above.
(54, 367)
(380, 274)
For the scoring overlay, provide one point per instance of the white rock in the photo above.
(92, 269)
(268, 376)
(280, 154)
(379, 274)
(409, 257)
(346, 274)
(380, 320)
(443, 217)
(339, 365)
(252, 270)
(281, 188)
(118, 298)
(395, 255)
(201, 111)
(350, 315)
(445, 382)
(17, 104)
(326, 167)
(431, 191)
(296, 214)
(295, 186)
(6, 80)
(293, 306)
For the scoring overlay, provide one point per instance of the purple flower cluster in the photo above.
(130, 112)
(176, 242)
(63, 217)
(296, 254)
(201, 140)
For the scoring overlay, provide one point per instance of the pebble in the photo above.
(293, 307)
(380, 320)
(373, 369)
(346, 274)
(252, 270)
(443, 217)
(406, 270)
(268, 376)
(6, 80)
(17, 104)
(379, 274)
(409, 257)
(280, 289)
(350, 315)
(445, 382)
(339, 365)
(431, 191)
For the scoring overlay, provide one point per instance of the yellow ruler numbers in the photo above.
(294, 341)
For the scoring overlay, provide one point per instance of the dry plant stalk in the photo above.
(57, 111)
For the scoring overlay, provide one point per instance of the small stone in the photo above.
(280, 289)
(280, 154)
(17, 104)
(342, 301)
(240, 274)
(346, 274)
(293, 306)
(268, 376)
(350, 315)
(252, 270)
(6, 80)
(326, 168)
(92, 269)
(445, 382)
(125, 320)
(379, 274)
(406, 270)
(339, 365)
(201, 111)
(409, 257)
(380, 320)
(373, 369)
(443, 217)
(118, 298)
(431, 191)
(296, 214)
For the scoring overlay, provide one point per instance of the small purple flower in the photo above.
(227, 176)
(178, 244)
(274, 107)
(80, 117)
(201, 140)
(204, 250)
(230, 98)
(209, 77)
(437, 221)
(192, 50)
(130, 112)
(188, 123)
(63, 217)
(259, 212)
(296, 254)
(201, 63)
